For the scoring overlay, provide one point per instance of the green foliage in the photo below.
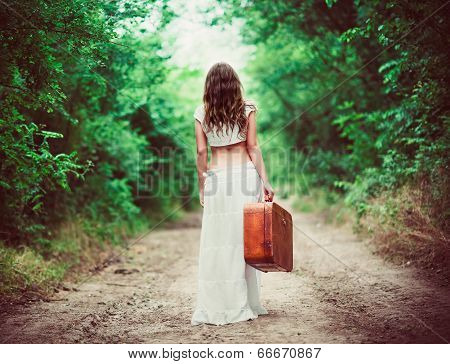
(74, 76)
(360, 88)
(28, 171)
(80, 108)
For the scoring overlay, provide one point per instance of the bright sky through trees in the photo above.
(195, 44)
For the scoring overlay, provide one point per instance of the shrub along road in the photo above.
(339, 292)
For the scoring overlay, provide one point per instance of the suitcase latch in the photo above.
(268, 244)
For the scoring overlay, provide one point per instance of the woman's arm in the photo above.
(202, 158)
(256, 156)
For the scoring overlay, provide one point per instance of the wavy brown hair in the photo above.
(223, 101)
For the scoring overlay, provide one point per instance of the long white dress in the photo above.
(228, 288)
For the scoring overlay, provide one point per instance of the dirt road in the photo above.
(339, 292)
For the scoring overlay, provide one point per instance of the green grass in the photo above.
(329, 204)
(26, 269)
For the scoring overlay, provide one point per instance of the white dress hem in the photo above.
(225, 317)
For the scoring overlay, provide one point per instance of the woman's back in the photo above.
(228, 147)
(229, 155)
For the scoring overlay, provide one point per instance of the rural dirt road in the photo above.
(339, 292)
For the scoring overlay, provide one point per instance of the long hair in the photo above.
(223, 101)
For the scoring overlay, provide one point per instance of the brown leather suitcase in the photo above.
(268, 237)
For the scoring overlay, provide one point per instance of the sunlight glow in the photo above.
(195, 44)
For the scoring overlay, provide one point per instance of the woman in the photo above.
(228, 288)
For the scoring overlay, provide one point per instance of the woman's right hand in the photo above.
(268, 192)
(202, 198)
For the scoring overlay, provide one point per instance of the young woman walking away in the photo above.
(228, 288)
